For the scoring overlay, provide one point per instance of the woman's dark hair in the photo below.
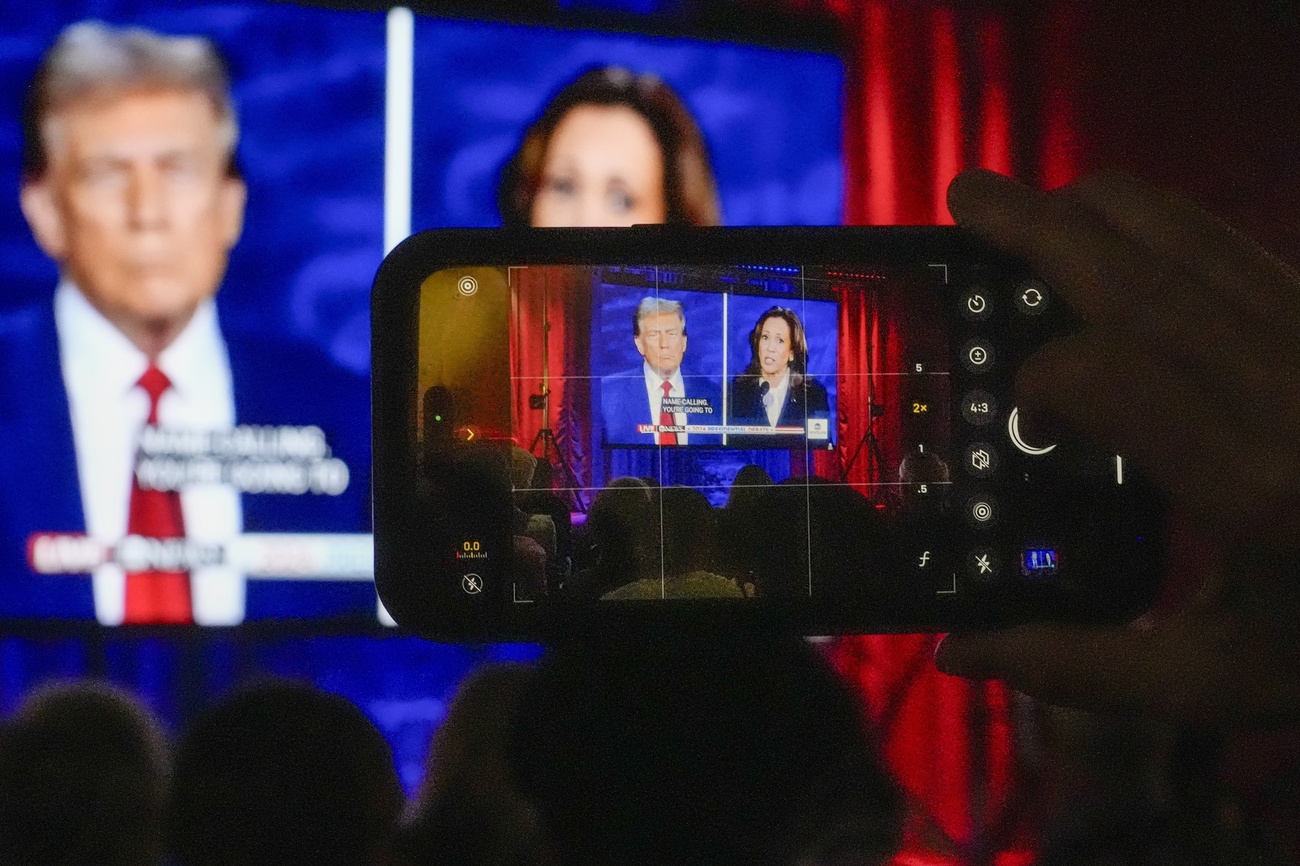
(690, 194)
(798, 342)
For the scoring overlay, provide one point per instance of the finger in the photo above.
(1112, 278)
(1238, 477)
(1098, 669)
(1245, 384)
(1194, 671)
(1217, 294)
(1064, 243)
(1263, 287)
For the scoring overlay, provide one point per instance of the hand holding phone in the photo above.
(1188, 362)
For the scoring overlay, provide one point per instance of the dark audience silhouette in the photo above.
(83, 779)
(468, 809)
(673, 747)
(282, 773)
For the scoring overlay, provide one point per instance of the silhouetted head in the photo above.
(283, 773)
(748, 486)
(685, 748)
(469, 810)
(83, 779)
(688, 527)
(522, 466)
(926, 468)
(623, 527)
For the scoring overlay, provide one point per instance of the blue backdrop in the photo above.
(770, 118)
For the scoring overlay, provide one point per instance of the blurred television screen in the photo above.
(257, 445)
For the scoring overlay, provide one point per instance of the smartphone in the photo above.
(810, 430)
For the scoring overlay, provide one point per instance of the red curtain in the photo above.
(872, 322)
(933, 88)
(550, 327)
(864, 346)
(950, 744)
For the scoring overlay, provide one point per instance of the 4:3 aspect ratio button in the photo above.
(980, 459)
(1031, 297)
(977, 356)
(979, 407)
(975, 304)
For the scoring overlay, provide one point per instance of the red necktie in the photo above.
(666, 417)
(156, 596)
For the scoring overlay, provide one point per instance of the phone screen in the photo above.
(815, 437)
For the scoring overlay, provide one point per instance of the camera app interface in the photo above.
(651, 433)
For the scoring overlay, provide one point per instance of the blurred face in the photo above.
(603, 167)
(774, 350)
(662, 342)
(136, 208)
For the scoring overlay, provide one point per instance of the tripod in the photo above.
(542, 401)
(875, 455)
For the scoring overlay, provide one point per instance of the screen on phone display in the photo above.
(769, 434)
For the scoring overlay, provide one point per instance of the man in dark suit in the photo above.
(636, 405)
(130, 185)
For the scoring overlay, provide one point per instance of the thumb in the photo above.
(1204, 667)
(1113, 669)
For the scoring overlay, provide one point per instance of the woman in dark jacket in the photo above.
(775, 390)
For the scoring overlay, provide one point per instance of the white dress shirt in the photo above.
(654, 385)
(774, 401)
(100, 370)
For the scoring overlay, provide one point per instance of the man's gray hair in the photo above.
(653, 306)
(92, 60)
